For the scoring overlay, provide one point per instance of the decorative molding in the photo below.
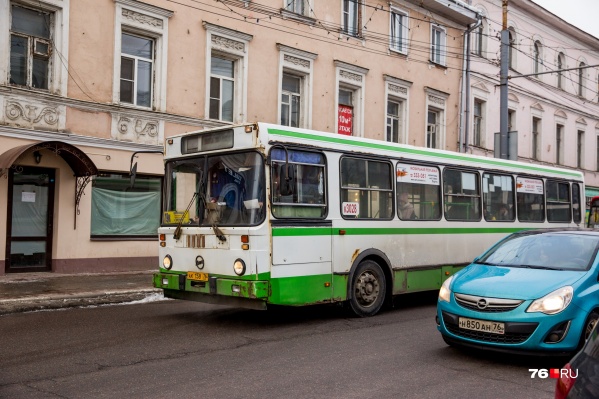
(436, 100)
(296, 61)
(398, 89)
(32, 114)
(397, 81)
(226, 31)
(227, 44)
(350, 76)
(561, 114)
(581, 121)
(294, 51)
(537, 106)
(350, 67)
(136, 129)
(163, 12)
(142, 19)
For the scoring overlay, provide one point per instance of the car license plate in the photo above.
(197, 276)
(492, 327)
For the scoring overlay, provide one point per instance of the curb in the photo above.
(52, 302)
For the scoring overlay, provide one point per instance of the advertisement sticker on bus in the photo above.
(417, 174)
(350, 208)
(529, 186)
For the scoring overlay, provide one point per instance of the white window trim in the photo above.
(344, 29)
(480, 94)
(436, 101)
(299, 63)
(442, 46)
(234, 45)
(398, 90)
(404, 31)
(152, 22)
(58, 73)
(483, 117)
(536, 113)
(351, 77)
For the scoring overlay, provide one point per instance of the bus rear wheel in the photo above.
(368, 289)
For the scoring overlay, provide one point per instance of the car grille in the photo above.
(507, 338)
(491, 305)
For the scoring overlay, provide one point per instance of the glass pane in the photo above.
(295, 111)
(42, 48)
(126, 91)
(392, 108)
(144, 84)
(27, 254)
(353, 172)
(18, 60)
(39, 73)
(127, 68)
(215, 88)
(291, 83)
(137, 46)
(227, 100)
(214, 108)
(379, 175)
(285, 114)
(30, 22)
(221, 67)
(345, 97)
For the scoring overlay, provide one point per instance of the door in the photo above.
(30, 217)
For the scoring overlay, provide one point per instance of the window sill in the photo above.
(298, 17)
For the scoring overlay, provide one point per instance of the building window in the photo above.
(296, 6)
(30, 47)
(140, 54)
(222, 88)
(137, 59)
(580, 150)
(561, 63)
(538, 60)
(394, 120)
(226, 97)
(438, 45)
(512, 48)
(345, 117)
(536, 128)
(350, 99)
(119, 210)
(511, 120)
(366, 189)
(352, 17)
(559, 143)
(291, 100)
(399, 31)
(477, 45)
(478, 123)
(581, 67)
(432, 128)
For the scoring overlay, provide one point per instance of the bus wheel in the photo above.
(368, 289)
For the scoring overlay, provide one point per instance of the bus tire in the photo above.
(368, 289)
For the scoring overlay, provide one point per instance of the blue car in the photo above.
(534, 291)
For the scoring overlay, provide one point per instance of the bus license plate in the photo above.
(197, 276)
(482, 325)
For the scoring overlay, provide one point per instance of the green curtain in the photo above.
(124, 213)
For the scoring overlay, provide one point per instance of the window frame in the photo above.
(351, 18)
(221, 88)
(351, 78)
(557, 201)
(403, 170)
(298, 63)
(536, 136)
(135, 80)
(478, 128)
(398, 45)
(511, 203)
(452, 195)
(527, 185)
(438, 53)
(379, 190)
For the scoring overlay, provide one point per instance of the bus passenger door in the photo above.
(301, 271)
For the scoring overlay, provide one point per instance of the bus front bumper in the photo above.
(217, 290)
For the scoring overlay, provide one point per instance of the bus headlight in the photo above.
(239, 267)
(167, 262)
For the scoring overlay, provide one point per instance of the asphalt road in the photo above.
(179, 349)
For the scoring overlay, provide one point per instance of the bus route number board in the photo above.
(197, 276)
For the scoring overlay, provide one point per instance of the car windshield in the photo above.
(222, 190)
(544, 251)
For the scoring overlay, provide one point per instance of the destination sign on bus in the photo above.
(417, 174)
(529, 186)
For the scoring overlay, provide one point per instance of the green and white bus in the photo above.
(260, 214)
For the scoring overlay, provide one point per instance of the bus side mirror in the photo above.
(286, 180)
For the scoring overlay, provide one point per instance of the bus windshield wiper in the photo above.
(179, 229)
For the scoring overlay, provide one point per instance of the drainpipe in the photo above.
(465, 103)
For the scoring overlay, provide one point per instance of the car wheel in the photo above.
(588, 327)
(368, 289)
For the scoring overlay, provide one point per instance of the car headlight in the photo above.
(445, 292)
(239, 267)
(553, 302)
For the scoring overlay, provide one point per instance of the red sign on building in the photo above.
(345, 119)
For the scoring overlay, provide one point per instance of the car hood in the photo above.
(511, 282)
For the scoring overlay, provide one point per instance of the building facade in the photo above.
(553, 101)
(89, 88)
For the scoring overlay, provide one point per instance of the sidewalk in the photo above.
(22, 292)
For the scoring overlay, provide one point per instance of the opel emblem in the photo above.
(199, 262)
(482, 303)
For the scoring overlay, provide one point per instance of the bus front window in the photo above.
(230, 190)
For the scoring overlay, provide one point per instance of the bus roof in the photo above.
(326, 140)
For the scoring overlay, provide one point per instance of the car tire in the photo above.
(368, 289)
(588, 327)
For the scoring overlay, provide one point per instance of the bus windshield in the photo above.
(223, 190)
